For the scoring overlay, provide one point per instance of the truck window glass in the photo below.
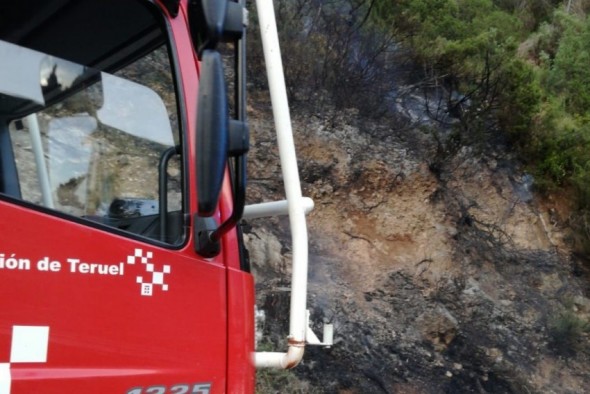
(105, 139)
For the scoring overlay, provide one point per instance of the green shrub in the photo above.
(570, 74)
(519, 101)
(566, 331)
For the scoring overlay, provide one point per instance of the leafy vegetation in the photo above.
(567, 331)
(332, 55)
(523, 66)
(512, 68)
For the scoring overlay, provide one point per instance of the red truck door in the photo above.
(101, 290)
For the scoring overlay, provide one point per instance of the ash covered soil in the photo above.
(442, 273)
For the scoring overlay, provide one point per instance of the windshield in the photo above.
(89, 143)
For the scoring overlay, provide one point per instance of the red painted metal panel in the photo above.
(85, 285)
(241, 371)
(240, 285)
(104, 335)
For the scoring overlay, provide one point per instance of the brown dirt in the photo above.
(395, 246)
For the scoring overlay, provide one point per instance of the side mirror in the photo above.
(218, 137)
(212, 132)
(214, 21)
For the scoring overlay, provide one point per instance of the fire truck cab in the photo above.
(122, 175)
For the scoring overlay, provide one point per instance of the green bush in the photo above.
(561, 147)
(566, 331)
(519, 101)
(570, 72)
(347, 52)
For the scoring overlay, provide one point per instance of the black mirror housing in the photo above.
(212, 132)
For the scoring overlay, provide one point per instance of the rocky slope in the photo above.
(442, 272)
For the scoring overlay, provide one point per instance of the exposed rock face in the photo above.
(438, 327)
(446, 276)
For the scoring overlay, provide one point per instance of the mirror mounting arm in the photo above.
(207, 234)
(239, 200)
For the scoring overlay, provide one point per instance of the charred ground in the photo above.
(449, 276)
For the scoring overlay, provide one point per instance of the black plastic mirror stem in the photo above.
(212, 133)
(233, 28)
(207, 233)
(204, 244)
(206, 20)
(239, 199)
(214, 21)
(239, 138)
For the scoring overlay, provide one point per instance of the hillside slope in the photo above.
(439, 275)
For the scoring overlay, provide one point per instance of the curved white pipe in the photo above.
(279, 360)
(298, 225)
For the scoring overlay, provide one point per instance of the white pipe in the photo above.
(274, 208)
(328, 336)
(279, 360)
(280, 108)
(42, 173)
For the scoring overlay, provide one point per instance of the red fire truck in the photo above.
(122, 181)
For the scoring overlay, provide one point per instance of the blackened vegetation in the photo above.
(312, 172)
(495, 346)
(477, 344)
(331, 56)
